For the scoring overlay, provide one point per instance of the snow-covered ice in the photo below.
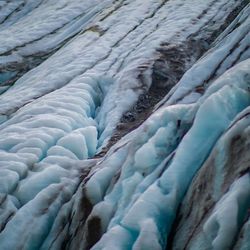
(70, 70)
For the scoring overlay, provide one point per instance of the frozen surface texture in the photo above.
(124, 124)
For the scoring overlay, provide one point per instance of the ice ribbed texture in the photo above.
(71, 73)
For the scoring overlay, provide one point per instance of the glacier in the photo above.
(124, 124)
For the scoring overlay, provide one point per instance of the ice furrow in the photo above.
(87, 161)
(167, 191)
(41, 42)
(45, 150)
(97, 66)
(210, 193)
(12, 17)
(225, 54)
(8, 9)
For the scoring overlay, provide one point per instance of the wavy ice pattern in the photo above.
(124, 124)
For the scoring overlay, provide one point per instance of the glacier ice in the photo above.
(124, 124)
(160, 200)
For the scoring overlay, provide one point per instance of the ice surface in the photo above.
(125, 48)
(158, 203)
(223, 224)
(227, 51)
(57, 113)
(39, 146)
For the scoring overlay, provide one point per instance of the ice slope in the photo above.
(31, 30)
(230, 48)
(122, 47)
(57, 192)
(143, 201)
(40, 153)
(222, 190)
